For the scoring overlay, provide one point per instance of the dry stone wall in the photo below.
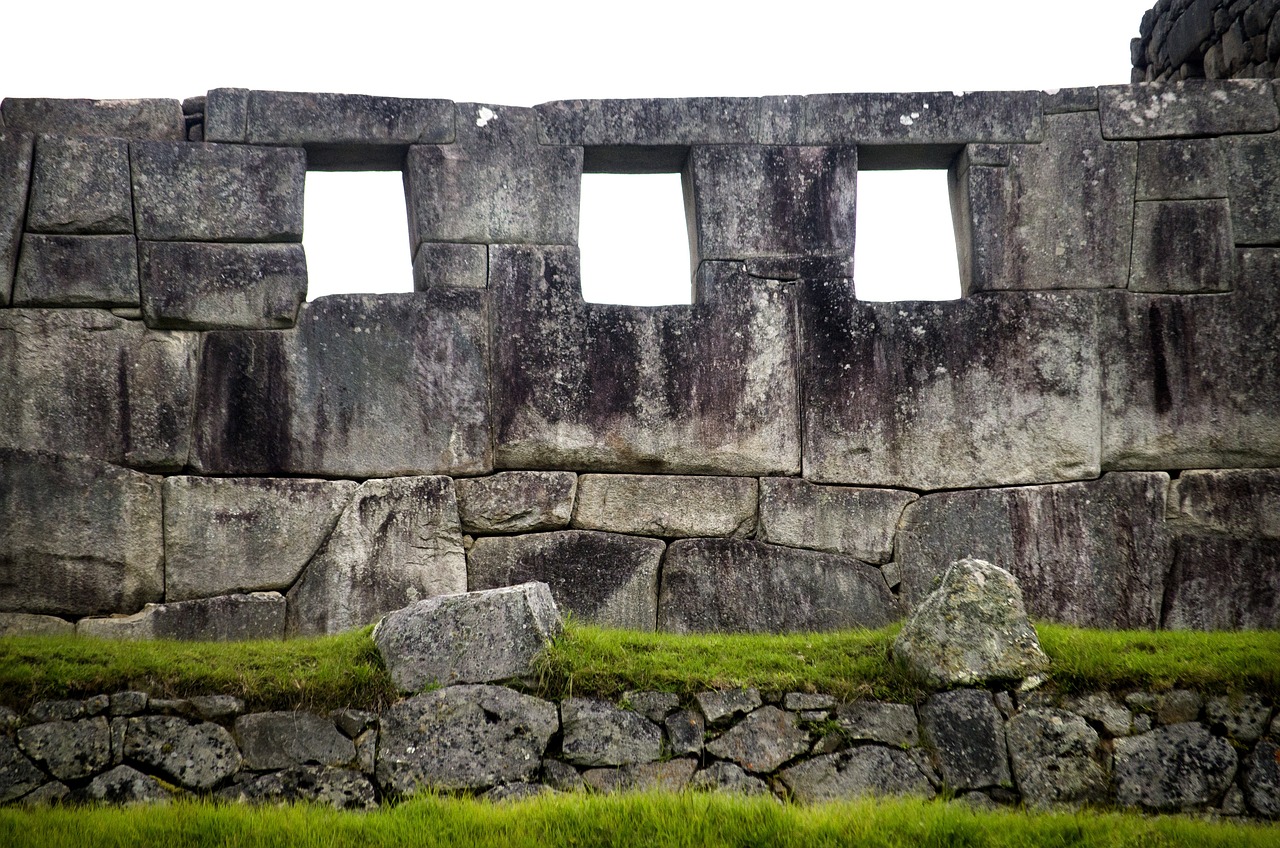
(190, 449)
(1217, 39)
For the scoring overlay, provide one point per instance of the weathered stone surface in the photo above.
(15, 178)
(126, 785)
(636, 124)
(727, 777)
(1220, 583)
(762, 741)
(216, 707)
(1178, 705)
(17, 774)
(68, 750)
(604, 578)
(702, 389)
(152, 119)
(475, 637)
(494, 184)
(1180, 767)
(515, 792)
(189, 285)
(1059, 100)
(80, 185)
(66, 709)
(967, 735)
(1262, 779)
(450, 265)
(869, 770)
(56, 270)
(80, 536)
(669, 776)
(1055, 758)
(873, 721)
(729, 585)
(127, 703)
(463, 737)
(924, 118)
(217, 192)
(1187, 108)
(653, 705)
(860, 523)
(727, 704)
(685, 732)
(561, 776)
(84, 382)
(1243, 716)
(1103, 709)
(664, 505)
(396, 542)
(1182, 246)
(354, 722)
(596, 733)
(225, 618)
(228, 535)
(516, 501)
(365, 386)
(973, 629)
(807, 701)
(280, 740)
(344, 789)
(1242, 503)
(1092, 554)
(1182, 169)
(1253, 178)
(29, 624)
(197, 756)
(53, 792)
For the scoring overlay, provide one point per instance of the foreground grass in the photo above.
(641, 820)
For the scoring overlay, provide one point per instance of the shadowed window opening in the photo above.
(905, 247)
(634, 240)
(354, 233)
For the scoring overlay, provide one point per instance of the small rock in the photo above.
(1054, 758)
(367, 750)
(685, 731)
(1142, 701)
(1101, 708)
(51, 793)
(1242, 717)
(1262, 779)
(868, 770)
(654, 706)
(171, 706)
(216, 707)
(1178, 706)
(354, 722)
(597, 733)
(341, 788)
(18, 775)
(8, 719)
(876, 721)
(43, 711)
(125, 785)
(669, 776)
(797, 701)
(1004, 703)
(966, 731)
(286, 739)
(763, 741)
(561, 776)
(720, 705)
(727, 777)
(1233, 802)
(1179, 767)
(1142, 723)
(68, 749)
(96, 705)
(197, 756)
(515, 792)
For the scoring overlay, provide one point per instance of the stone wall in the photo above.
(1213, 39)
(188, 449)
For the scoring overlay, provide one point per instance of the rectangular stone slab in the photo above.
(1243, 503)
(652, 122)
(72, 270)
(1253, 178)
(15, 180)
(666, 505)
(201, 286)
(1220, 583)
(1181, 169)
(227, 618)
(937, 117)
(159, 120)
(80, 185)
(856, 522)
(1182, 246)
(1192, 107)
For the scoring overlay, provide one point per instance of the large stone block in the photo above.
(364, 386)
(15, 180)
(1253, 180)
(194, 755)
(396, 542)
(603, 578)
(1055, 758)
(1221, 583)
(967, 735)
(80, 185)
(985, 391)
(1092, 554)
(1175, 768)
(859, 772)
(707, 389)
(516, 501)
(668, 506)
(190, 285)
(1243, 503)
(217, 192)
(649, 122)
(1187, 108)
(56, 270)
(227, 618)
(156, 119)
(596, 733)
(925, 118)
(229, 535)
(80, 536)
(452, 265)
(1182, 246)
(728, 585)
(494, 184)
(81, 381)
(279, 740)
(1181, 169)
(860, 523)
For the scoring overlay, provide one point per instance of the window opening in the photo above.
(905, 246)
(354, 233)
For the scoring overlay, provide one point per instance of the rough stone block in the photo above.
(81, 186)
(160, 120)
(1220, 583)
(18, 775)
(1243, 503)
(126, 785)
(860, 523)
(668, 776)
(343, 789)
(1061, 100)
(726, 777)
(763, 741)
(967, 735)
(68, 750)
(597, 733)
(1092, 554)
(516, 501)
(1262, 779)
(450, 265)
(1055, 759)
(1182, 246)
(229, 535)
(56, 270)
(227, 618)
(668, 506)
(494, 184)
(280, 740)
(30, 624)
(984, 391)
(923, 118)
(1182, 169)
(15, 180)
(1187, 108)
(217, 192)
(84, 382)
(703, 389)
(226, 115)
(397, 542)
(80, 536)
(1253, 184)
(874, 721)
(364, 386)
(603, 578)
(728, 585)
(195, 756)
(728, 704)
(869, 770)
(1176, 768)
(190, 285)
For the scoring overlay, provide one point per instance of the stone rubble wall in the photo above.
(1213, 39)
(190, 450)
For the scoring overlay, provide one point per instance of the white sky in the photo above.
(525, 53)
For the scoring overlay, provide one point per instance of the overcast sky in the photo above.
(525, 53)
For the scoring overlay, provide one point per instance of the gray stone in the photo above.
(68, 750)
(126, 785)
(1262, 779)
(665, 505)
(80, 536)
(54, 792)
(604, 578)
(353, 723)
(1092, 554)
(1253, 175)
(1220, 583)
(1055, 759)
(727, 777)
(1244, 503)
(475, 637)
(341, 788)
(66, 709)
(217, 192)
(621, 134)
(923, 119)
(28, 624)
(973, 629)
(1187, 108)
(668, 776)
(450, 265)
(80, 185)
(597, 733)
(8, 719)
(967, 735)
(1059, 100)
(83, 382)
(685, 732)
(226, 115)
(702, 389)
(227, 535)
(1178, 706)
(1101, 708)
(1242, 715)
(653, 705)
(152, 119)
(225, 618)
(730, 585)
(1180, 767)
(367, 751)
(727, 704)
(463, 737)
(72, 270)
(561, 776)
(397, 542)
(516, 501)
(1182, 169)
(874, 721)
(515, 792)
(281, 740)
(15, 177)
(196, 756)
(128, 703)
(1182, 246)
(807, 701)
(860, 523)
(189, 285)
(216, 707)
(17, 774)
(869, 770)
(763, 741)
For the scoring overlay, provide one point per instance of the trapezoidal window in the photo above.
(354, 233)
(905, 246)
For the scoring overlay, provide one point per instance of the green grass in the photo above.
(652, 819)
